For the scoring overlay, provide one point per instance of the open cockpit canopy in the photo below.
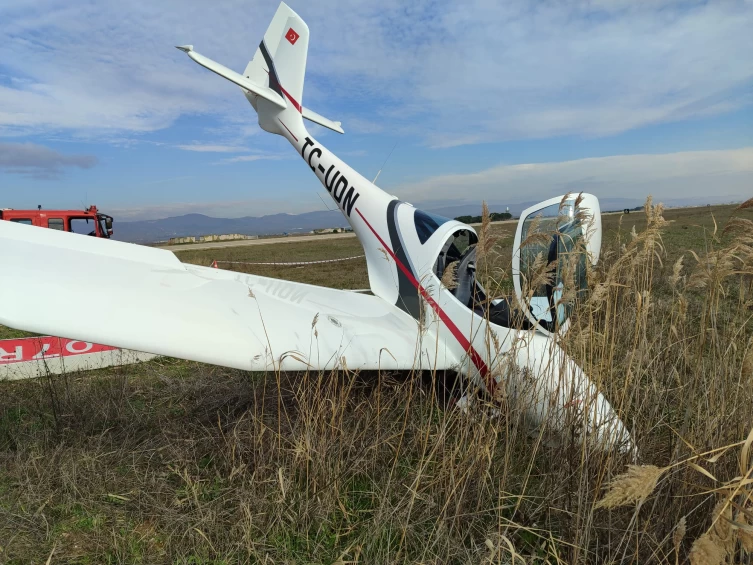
(554, 242)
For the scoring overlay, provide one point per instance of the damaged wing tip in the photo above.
(185, 48)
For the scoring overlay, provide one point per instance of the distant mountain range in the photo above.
(149, 231)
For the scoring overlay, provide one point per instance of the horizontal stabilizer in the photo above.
(312, 116)
(237, 78)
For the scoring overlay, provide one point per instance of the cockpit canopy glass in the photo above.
(553, 263)
(427, 223)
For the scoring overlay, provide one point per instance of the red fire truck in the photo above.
(89, 222)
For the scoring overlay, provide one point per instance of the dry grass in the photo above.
(175, 462)
(346, 274)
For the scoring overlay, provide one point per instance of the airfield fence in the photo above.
(285, 263)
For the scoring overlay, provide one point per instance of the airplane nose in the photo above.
(557, 393)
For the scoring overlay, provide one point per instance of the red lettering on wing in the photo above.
(45, 347)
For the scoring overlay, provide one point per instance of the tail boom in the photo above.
(273, 84)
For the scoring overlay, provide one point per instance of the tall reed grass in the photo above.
(182, 463)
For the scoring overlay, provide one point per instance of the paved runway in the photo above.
(262, 241)
(269, 240)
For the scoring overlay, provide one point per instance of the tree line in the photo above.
(494, 217)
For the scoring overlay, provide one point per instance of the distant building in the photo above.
(328, 230)
(209, 238)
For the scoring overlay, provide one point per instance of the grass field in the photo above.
(179, 462)
(346, 274)
(690, 229)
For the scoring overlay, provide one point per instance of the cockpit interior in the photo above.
(564, 258)
(461, 248)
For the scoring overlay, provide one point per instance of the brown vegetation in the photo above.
(175, 462)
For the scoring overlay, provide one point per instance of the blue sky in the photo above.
(504, 101)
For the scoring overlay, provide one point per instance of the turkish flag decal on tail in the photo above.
(292, 36)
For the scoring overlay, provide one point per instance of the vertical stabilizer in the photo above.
(273, 84)
(280, 60)
(273, 79)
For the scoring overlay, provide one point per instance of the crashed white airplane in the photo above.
(147, 300)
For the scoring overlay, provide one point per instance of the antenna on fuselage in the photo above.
(383, 164)
(325, 204)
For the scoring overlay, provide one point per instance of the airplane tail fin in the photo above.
(280, 60)
(273, 79)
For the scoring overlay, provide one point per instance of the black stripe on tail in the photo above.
(274, 81)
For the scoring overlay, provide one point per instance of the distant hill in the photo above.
(147, 231)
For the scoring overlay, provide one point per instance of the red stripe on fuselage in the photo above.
(295, 104)
(287, 128)
(462, 340)
(293, 101)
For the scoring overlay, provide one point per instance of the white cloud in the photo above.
(88, 67)
(203, 148)
(452, 73)
(687, 176)
(484, 71)
(693, 177)
(250, 158)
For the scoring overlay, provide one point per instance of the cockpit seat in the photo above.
(502, 313)
(468, 291)
(466, 276)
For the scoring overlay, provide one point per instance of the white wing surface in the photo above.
(145, 299)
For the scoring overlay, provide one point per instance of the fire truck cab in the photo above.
(87, 222)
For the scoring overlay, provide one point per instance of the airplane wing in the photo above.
(145, 299)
